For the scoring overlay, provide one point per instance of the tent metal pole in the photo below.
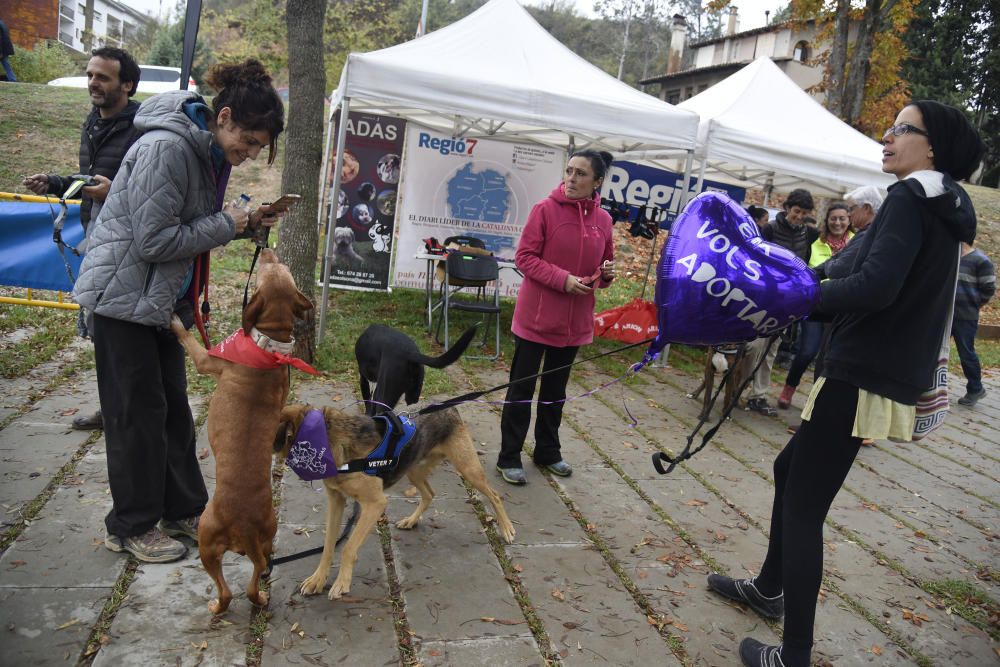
(768, 187)
(701, 177)
(686, 194)
(323, 182)
(345, 110)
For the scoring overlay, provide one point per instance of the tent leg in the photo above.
(345, 110)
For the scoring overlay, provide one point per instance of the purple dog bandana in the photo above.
(310, 456)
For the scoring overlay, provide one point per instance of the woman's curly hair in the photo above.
(255, 105)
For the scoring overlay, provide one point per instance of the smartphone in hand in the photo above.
(283, 203)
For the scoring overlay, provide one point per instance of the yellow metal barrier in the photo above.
(30, 300)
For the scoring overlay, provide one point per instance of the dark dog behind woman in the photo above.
(891, 316)
(566, 251)
(164, 209)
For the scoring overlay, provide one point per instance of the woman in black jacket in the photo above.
(891, 315)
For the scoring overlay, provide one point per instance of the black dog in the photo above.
(391, 360)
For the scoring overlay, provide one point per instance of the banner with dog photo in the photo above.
(469, 187)
(366, 203)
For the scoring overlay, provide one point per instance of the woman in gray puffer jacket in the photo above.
(164, 210)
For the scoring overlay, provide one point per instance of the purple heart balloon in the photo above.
(719, 282)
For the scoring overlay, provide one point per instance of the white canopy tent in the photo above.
(758, 128)
(497, 73)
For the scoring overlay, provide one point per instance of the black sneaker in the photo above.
(971, 398)
(89, 422)
(761, 405)
(745, 591)
(757, 654)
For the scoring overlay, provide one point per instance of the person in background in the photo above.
(891, 315)
(165, 208)
(6, 51)
(566, 252)
(758, 215)
(789, 231)
(976, 285)
(834, 234)
(108, 132)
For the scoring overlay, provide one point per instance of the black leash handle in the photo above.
(660, 457)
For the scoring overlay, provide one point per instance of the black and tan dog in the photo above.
(439, 435)
(390, 359)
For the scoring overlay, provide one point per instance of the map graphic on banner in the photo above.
(469, 187)
(366, 203)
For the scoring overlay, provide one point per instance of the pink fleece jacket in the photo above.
(562, 237)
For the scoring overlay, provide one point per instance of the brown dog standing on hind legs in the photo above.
(242, 417)
(439, 435)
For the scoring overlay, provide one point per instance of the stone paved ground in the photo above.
(608, 566)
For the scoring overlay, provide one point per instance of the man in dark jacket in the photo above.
(108, 132)
(976, 284)
(789, 230)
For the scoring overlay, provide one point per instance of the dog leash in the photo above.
(471, 396)
(351, 520)
(660, 457)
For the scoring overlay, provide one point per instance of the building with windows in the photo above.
(65, 21)
(692, 68)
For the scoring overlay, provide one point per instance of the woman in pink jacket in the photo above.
(565, 252)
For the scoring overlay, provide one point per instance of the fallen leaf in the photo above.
(203, 646)
(519, 568)
(18, 563)
(919, 533)
(487, 619)
(203, 453)
(680, 626)
(69, 412)
(696, 503)
(337, 397)
(434, 653)
(295, 626)
(877, 650)
(71, 622)
(570, 625)
(507, 621)
(558, 594)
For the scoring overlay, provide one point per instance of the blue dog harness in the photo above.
(311, 459)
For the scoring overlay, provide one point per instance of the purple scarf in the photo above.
(310, 456)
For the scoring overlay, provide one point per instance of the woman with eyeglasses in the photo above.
(834, 234)
(891, 315)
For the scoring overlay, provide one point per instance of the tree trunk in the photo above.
(299, 238)
(621, 60)
(876, 13)
(838, 59)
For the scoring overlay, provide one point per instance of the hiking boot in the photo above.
(150, 547)
(513, 476)
(182, 527)
(971, 398)
(89, 422)
(745, 591)
(560, 468)
(785, 399)
(757, 654)
(761, 405)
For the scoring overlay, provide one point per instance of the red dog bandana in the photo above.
(240, 349)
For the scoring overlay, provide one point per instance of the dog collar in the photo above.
(268, 344)
(241, 349)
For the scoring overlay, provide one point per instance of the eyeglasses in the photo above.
(904, 128)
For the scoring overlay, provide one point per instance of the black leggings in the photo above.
(808, 473)
(516, 414)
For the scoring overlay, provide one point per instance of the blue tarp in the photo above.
(28, 255)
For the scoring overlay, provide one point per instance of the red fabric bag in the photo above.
(635, 323)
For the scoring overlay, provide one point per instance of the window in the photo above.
(114, 28)
(98, 16)
(801, 52)
(674, 96)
